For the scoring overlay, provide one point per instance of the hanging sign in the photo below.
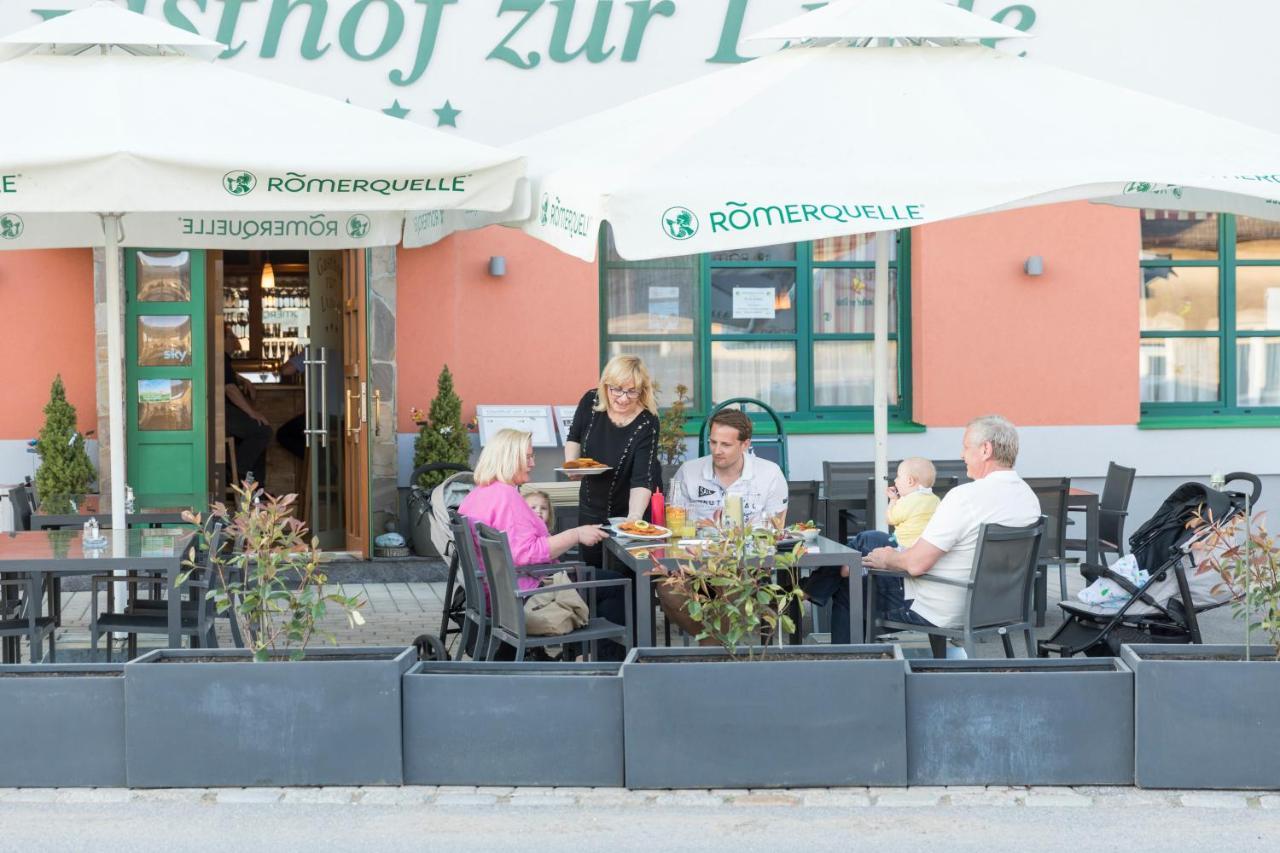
(531, 419)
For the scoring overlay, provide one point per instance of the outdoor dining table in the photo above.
(1088, 501)
(634, 558)
(60, 553)
(88, 506)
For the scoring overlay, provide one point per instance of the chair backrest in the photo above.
(1003, 576)
(952, 468)
(470, 566)
(846, 480)
(1052, 494)
(21, 502)
(1116, 492)
(802, 501)
(500, 571)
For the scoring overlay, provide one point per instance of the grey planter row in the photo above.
(1167, 716)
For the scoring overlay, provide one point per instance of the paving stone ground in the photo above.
(427, 796)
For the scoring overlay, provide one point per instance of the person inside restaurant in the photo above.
(248, 426)
(616, 423)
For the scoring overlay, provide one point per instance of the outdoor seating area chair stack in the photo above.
(507, 624)
(1113, 508)
(999, 597)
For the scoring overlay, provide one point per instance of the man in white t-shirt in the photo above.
(701, 485)
(946, 548)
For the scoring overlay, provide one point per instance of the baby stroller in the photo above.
(429, 514)
(1165, 608)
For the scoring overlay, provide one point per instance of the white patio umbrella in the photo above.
(884, 115)
(119, 131)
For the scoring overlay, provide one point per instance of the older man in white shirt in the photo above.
(946, 549)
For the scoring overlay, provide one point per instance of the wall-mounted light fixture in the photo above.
(1034, 265)
(497, 266)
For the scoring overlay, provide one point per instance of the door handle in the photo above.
(323, 364)
(353, 431)
(364, 402)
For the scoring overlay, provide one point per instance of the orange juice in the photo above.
(678, 520)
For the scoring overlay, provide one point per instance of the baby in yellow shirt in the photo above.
(911, 500)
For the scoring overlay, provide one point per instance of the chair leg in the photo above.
(1008, 643)
(938, 645)
(464, 637)
(1062, 580)
(492, 651)
(1032, 647)
(520, 651)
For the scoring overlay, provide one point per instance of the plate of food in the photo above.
(641, 530)
(806, 530)
(584, 465)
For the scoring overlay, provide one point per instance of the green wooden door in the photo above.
(165, 377)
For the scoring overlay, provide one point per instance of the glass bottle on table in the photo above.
(733, 510)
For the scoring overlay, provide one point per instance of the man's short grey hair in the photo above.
(1002, 434)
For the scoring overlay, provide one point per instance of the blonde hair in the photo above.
(620, 370)
(551, 508)
(503, 457)
(919, 468)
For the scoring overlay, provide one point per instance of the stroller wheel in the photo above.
(430, 648)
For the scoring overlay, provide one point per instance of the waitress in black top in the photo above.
(617, 424)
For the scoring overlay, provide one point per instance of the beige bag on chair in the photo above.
(550, 614)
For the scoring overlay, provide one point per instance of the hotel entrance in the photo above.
(251, 364)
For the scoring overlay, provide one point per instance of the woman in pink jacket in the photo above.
(503, 467)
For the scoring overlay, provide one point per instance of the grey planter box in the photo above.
(212, 717)
(62, 725)
(813, 722)
(543, 724)
(1205, 722)
(1046, 722)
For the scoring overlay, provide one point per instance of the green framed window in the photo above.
(790, 324)
(1209, 297)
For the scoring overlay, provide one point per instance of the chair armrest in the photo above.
(526, 593)
(935, 579)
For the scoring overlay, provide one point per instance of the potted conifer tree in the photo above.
(65, 471)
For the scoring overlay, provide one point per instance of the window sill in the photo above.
(1210, 422)
(825, 427)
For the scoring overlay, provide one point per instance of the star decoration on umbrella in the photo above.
(447, 116)
(395, 110)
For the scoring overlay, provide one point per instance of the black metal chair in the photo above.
(23, 505)
(507, 623)
(18, 619)
(197, 614)
(802, 501)
(999, 592)
(1052, 494)
(845, 486)
(1113, 508)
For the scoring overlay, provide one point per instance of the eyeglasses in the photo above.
(630, 394)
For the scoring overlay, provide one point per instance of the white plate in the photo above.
(586, 471)
(666, 534)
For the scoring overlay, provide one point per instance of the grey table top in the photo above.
(64, 550)
(637, 554)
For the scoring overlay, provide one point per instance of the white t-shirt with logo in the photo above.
(1001, 497)
(762, 486)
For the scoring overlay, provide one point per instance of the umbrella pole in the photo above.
(880, 383)
(115, 369)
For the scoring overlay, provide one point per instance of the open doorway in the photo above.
(286, 384)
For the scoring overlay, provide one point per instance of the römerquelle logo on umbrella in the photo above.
(242, 182)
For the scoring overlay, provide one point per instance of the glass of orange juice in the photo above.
(677, 519)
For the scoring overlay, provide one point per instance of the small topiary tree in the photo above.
(65, 469)
(441, 436)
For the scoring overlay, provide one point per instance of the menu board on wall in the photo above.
(533, 419)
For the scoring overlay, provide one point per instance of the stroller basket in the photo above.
(1164, 609)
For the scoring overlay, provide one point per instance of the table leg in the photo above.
(855, 600)
(1092, 555)
(174, 607)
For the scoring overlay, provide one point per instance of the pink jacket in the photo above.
(500, 506)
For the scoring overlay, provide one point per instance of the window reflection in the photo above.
(164, 341)
(1178, 370)
(753, 301)
(1178, 299)
(164, 404)
(764, 370)
(844, 299)
(844, 371)
(164, 276)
